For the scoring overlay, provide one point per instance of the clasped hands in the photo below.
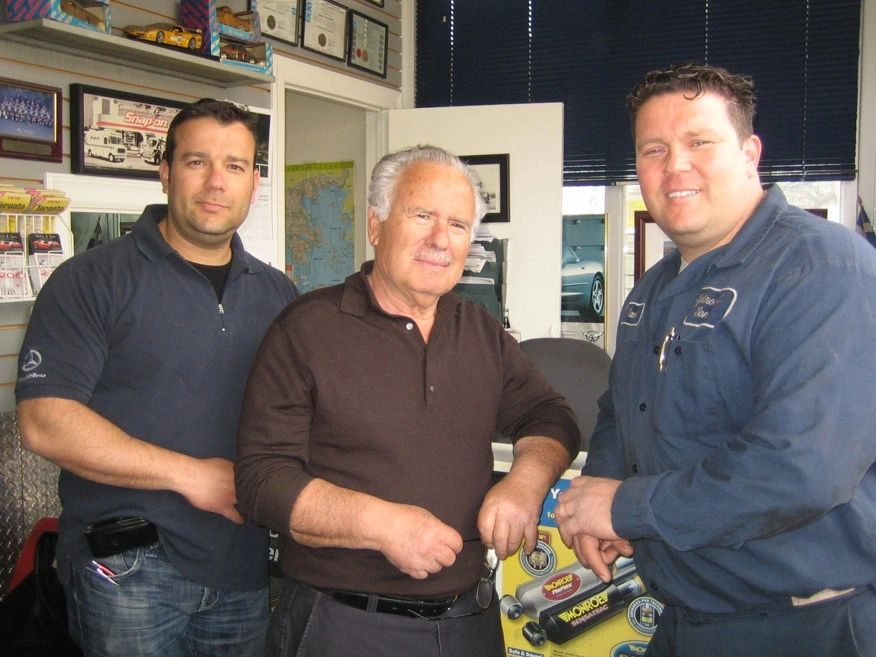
(583, 515)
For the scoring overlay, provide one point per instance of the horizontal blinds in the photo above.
(802, 55)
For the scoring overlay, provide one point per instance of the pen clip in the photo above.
(661, 359)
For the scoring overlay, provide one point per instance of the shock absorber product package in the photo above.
(552, 606)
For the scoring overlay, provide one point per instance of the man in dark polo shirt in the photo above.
(131, 377)
(365, 438)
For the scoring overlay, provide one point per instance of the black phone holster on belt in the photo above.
(116, 535)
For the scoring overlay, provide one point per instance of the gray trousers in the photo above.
(309, 623)
(839, 627)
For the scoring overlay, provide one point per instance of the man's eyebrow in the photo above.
(206, 156)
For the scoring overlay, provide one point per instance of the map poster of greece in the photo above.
(319, 223)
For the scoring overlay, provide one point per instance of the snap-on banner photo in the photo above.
(552, 606)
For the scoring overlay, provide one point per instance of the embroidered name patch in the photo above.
(711, 306)
(632, 313)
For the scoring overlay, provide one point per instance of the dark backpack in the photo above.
(33, 614)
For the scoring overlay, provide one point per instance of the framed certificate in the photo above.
(367, 44)
(325, 28)
(278, 19)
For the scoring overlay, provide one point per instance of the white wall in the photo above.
(532, 134)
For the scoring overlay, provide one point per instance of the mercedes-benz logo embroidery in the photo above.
(31, 361)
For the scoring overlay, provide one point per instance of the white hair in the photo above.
(386, 173)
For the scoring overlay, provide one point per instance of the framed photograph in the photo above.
(325, 28)
(367, 49)
(493, 172)
(30, 121)
(278, 19)
(650, 245)
(115, 133)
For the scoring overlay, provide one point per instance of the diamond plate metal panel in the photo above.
(28, 491)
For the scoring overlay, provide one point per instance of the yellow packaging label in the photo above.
(552, 606)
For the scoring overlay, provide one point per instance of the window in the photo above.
(802, 54)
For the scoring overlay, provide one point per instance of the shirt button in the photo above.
(643, 406)
(656, 349)
(678, 351)
(431, 388)
(635, 467)
(409, 326)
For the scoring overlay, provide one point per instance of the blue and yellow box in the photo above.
(89, 14)
(233, 40)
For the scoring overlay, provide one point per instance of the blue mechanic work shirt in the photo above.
(748, 456)
(136, 333)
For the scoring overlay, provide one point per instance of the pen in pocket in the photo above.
(102, 571)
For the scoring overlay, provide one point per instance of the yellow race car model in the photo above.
(168, 34)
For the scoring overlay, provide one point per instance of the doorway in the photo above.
(324, 190)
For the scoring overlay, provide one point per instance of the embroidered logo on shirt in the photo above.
(711, 306)
(632, 313)
(31, 361)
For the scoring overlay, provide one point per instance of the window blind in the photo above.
(802, 55)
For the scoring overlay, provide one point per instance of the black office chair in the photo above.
(578, 370)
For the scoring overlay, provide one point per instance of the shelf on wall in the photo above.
(58, 36)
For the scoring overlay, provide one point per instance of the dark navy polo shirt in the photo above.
(138, 335)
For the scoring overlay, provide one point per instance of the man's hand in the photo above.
(210, 487)
(418, 543)
(77, 439)
(585, 508)
(583, 515)
(511, 509)
(509, 515)
(410, 537)
(598, 555)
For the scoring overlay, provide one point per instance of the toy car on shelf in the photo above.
(226, 16)
(169, 34)
(236, 53)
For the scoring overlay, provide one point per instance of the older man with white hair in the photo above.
(365, 438)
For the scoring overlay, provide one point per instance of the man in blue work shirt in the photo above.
(734, 452)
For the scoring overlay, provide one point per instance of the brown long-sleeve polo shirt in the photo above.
(344, 392)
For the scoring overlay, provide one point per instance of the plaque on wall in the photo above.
(30, 121)
(367, 44)
(278, 19)
(325, 28)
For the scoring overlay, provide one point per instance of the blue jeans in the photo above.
(153, 610)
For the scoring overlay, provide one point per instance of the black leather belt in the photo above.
(391, 605)
(475, 600)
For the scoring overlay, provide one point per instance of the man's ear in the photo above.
(255, 185)
(752, 149)
(163, 174)
(373, 226)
